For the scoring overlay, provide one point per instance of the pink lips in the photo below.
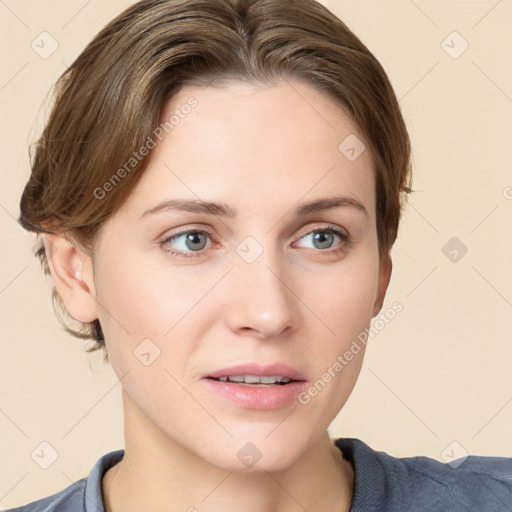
(257, 397)
(255, 369)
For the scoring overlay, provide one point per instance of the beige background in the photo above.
(439, 372)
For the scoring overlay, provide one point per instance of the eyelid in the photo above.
(323, 227)
(345, 237)
(343, 234)
(184, 231)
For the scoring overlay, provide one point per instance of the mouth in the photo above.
(252, 386)
(256, 380)
(252, 374)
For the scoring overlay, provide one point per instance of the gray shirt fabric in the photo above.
(382, 483)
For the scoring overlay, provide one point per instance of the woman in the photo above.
(218, 189)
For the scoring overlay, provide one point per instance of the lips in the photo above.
(276, 369)
(256, 396)
(255, 380)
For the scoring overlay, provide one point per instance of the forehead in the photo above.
(241, 142)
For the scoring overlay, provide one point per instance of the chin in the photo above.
(265, 464)
(241, 455)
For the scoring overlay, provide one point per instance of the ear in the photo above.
(385, 268)
(72, 273)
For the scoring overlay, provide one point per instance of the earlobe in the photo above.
(385, 269)
(71, 271)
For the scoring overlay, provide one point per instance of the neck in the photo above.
(162, 475)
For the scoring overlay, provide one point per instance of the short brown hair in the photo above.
(108, 104)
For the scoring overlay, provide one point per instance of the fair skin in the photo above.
(262, 150)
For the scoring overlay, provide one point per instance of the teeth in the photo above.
(254, 379)
(268, 380)
(235, 379)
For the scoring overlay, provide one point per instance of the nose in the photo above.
(261, 300)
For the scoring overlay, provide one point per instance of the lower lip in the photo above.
(258, 397)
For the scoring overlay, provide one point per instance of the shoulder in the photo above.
(423, 483)
(70, 498)
(83, 495)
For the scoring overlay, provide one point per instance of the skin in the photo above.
(262, 150)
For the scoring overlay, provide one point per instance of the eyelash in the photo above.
(346, 240)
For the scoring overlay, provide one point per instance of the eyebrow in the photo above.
(224, 210)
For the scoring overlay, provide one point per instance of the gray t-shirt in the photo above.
(382, 483)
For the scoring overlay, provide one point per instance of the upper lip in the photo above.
(255, 369)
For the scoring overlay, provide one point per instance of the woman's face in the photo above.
(262, 286)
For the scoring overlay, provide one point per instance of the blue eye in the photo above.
(324, 237)
(195, 241)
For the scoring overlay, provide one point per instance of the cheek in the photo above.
(344, 304)
(144, 301)
(147, 299)
(344, 300)
(141, 310)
